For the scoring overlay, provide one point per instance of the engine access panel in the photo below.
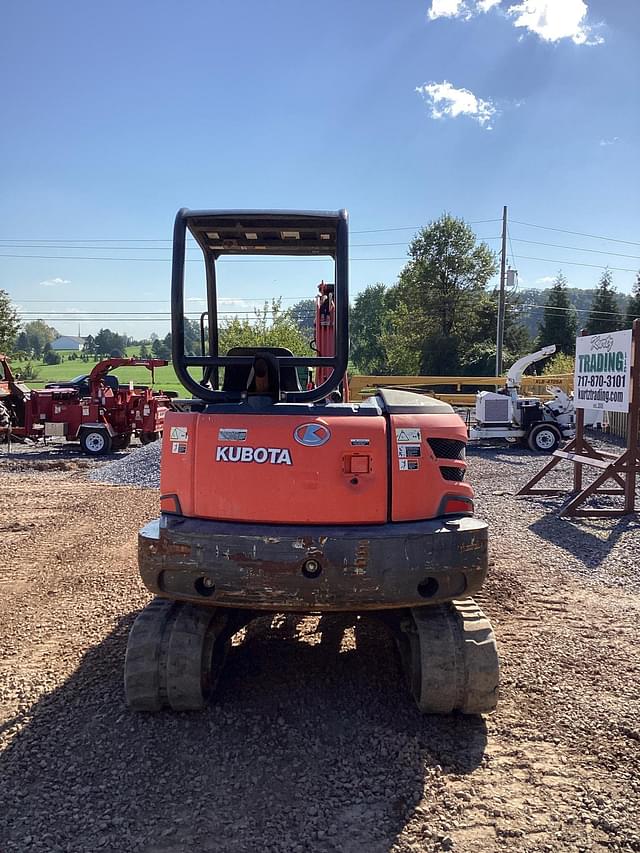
(297, 468)
(400, 459)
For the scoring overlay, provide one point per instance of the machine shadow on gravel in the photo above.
(589, 540)
(313, 740)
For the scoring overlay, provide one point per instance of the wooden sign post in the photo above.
(621, 469)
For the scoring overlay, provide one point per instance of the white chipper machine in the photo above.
(507, 415)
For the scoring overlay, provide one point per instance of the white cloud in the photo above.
(545, 281)
(615, 140)
(553, 20)
(448, 9)
(55, 282)
(445, 101)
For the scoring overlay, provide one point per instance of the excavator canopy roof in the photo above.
(264, 232)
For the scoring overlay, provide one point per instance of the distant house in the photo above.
(68, 342)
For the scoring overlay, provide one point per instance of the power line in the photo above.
(222, 299)
(570, 309)
(577, 233)
(269, 259)
(577, 264)
(66, 240)
(114, 315)
(168, 240)
(295, 260)
(163, 248)
(575, 248)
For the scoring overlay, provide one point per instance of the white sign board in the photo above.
(603, 371)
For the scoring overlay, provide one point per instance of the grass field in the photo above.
(165, 377)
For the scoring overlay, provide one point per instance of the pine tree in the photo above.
(559, 324)
(604, 314)
(633, 308)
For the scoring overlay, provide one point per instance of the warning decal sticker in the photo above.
(409, 464)
(408, 434)
(178, 447)
(179, 433)
(408, 450)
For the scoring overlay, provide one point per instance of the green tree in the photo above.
(22, 342)
(303, 313)
(559, 324)
(604, 314)
(39, 334)
(633, 308)
(9, 322)
(437, 295)
(478, 356)
(270, 327)
(559, 363)
(369, 319)
(161, 348)
(191, 341)
(108, 343)
(144, 350)
(51, 357)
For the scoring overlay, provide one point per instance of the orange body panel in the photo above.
(417, 484)
(251, 468)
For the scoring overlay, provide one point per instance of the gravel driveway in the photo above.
(313, 743)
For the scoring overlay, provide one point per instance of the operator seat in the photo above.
(241, 377)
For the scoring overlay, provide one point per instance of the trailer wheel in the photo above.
(96, 442)
(544, 438)
(148, 437)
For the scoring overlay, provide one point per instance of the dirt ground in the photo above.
(313, 743)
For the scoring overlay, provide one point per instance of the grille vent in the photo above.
(447, 448)
(453, 474)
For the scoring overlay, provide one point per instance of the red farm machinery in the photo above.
(94, 409)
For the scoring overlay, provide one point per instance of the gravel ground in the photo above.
(140, 469)
(600, 549)
(313, 743)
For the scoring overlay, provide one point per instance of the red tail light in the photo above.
(457, 506)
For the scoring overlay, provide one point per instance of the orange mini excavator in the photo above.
(278, 496)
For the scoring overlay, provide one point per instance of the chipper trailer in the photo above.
(277, 497)
(509, 416)
(96, 410)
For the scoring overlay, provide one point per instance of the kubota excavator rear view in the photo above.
(278, 498)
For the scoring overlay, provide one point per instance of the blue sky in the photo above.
(115, 115)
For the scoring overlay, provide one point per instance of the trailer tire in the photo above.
(544, 438)
(96, 442)
(148, 437)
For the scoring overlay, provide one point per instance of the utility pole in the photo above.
(500, 325)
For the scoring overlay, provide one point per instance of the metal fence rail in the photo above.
(456, 390)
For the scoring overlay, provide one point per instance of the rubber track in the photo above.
(174, 656)
(453, 659)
